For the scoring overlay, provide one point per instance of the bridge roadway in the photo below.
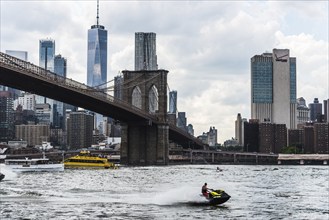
(28, 77)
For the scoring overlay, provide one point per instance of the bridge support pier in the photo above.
(144, 144)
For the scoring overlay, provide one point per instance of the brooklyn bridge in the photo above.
(145, 129)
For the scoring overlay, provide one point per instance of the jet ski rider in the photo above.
(204, 190)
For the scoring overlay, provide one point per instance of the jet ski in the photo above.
(216, 197)
(2, 176)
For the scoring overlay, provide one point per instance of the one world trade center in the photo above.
(97, 60)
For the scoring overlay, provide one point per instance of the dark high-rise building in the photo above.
(145, 51)
(321, 138)
(266, 137)
(295, 138)
(308, 139)
(251, 133)
(280, 137)
(273, 88)
(6, 116)
(315, 110)
(79, 130)
(326, 110)
(272, 137)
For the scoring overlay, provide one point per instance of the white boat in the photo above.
(33, 165)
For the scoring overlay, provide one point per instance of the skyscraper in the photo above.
(97, 54)
(59, 107)
(6, 116)
(79, 129)
(273, 88)
(173, 102)
(315, 110)
(118, 81)
(326, 110)
(303, 112)
(238, 129)
(181, 120)
(47, 54)
(145, 51)
(97, 61)
(60, 65)
(46, 61)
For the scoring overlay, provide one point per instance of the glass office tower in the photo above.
(97, 63)
(46, 61)
(97, 56)
(60, 65)
(273, 88)
(47, 54)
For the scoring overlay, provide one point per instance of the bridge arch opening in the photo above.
(153, 99)
(137, 97)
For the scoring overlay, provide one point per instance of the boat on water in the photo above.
(86, 160)
(2, 176)
(216, 197)
(33, 165)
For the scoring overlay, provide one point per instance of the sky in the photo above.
(205, 45)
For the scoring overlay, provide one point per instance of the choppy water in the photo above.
(168, 192)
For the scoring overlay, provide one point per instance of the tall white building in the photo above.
(273, 88)
(238, 129)
(27, 101)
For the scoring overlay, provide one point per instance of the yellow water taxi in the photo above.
(85, 160)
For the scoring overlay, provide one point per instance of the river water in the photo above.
(167, 192)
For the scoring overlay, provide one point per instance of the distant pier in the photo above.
(314, 159)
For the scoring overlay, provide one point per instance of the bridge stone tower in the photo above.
(145, 142)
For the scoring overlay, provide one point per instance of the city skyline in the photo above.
(206, 47)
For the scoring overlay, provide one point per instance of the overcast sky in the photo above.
(205, 45)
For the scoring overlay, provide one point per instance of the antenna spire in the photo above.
(97, 12)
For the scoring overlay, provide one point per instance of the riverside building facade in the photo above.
(273, 88)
